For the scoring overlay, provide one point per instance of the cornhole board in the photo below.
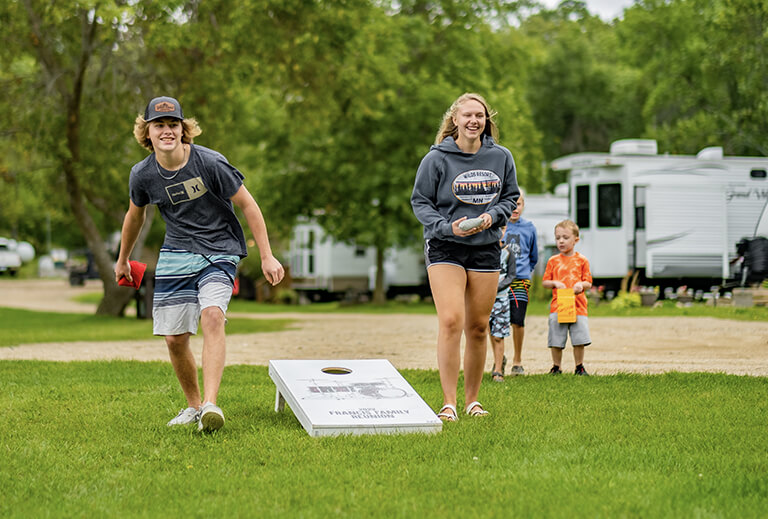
(333, 397)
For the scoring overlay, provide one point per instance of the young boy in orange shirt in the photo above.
(569, 269)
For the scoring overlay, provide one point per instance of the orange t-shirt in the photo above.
(569, 270)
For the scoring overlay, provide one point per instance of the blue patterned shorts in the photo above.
(499, 321)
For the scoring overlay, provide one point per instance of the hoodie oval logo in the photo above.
(477, 186)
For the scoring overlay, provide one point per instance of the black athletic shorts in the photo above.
(517, 311)
(479, 258)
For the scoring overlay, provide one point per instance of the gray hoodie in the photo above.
(451, 184)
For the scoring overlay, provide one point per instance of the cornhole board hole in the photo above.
(332, 397)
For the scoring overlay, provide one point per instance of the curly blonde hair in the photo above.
(449, 129)
(189, 130)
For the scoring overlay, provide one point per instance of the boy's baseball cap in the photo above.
(161, 107)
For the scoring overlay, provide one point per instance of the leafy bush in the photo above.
(626, 300)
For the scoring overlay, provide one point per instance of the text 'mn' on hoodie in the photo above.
(451, 183)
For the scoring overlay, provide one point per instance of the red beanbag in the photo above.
(137, 273)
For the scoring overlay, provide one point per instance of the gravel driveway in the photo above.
(640, 344)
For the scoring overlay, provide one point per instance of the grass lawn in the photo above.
(89, 439)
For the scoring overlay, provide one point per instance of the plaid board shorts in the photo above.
(499, 321)
(185, 284)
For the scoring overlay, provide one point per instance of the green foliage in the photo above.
(703, 65)
(287, 296)
(328, 107)
(672, 309)
(92, 436)
(583, 96)
(63, 54)
(626, 300)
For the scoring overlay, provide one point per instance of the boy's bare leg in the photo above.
(557, 356)
(497, 345)
(212, 322)
(578, 355)
(183, 362)
(518, 333)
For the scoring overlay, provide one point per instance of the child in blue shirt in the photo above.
(520, 237)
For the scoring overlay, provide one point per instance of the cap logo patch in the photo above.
(164, 106)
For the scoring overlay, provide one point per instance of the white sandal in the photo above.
(476, 409)
(445, 416)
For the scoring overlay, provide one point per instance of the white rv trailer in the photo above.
(673, 217)
(321, 266)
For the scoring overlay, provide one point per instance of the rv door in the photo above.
(639, 249)
(686, 231)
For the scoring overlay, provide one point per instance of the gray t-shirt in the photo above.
(194, 203)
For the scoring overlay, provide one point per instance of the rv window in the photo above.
(609, 205)
(757, 173)
(582, 206)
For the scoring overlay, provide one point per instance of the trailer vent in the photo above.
(757, 173)
(711, 153)
(686, 265)
(634, 147)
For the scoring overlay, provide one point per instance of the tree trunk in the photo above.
(379, 296)
(115, 297)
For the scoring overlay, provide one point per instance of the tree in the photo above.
(368, 120)
(705, 67)
(79, 59)
(583, 95)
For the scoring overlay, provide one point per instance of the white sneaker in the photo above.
(211, 418)
(186, 416)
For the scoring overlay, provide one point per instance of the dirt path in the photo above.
(640, 345)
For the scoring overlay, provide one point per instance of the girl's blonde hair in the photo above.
(449, 129)
(189, 130)
(570, 226)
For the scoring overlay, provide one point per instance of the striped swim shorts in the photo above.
(185, 284)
